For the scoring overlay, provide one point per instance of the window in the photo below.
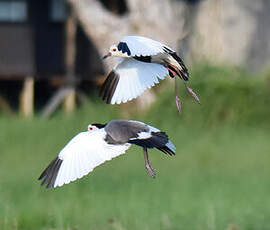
(58, 10)
(14, 11)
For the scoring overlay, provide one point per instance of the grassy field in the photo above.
(219, 178)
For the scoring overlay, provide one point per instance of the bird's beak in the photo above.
(107, 55)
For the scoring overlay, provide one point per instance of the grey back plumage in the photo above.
(120, 131)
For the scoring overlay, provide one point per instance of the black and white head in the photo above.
(119, 50)
(95, 127)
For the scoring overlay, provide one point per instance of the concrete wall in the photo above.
(233, 32)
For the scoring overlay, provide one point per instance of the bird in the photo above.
(100, 143)
(141, 63)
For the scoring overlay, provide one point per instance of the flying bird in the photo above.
(142, 62)
(100, 143)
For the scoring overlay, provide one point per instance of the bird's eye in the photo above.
(114, 49)
(90, 128)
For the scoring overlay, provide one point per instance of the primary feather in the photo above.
(129, 79)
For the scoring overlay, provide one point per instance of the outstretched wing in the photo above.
(80, 156)
(148, 50)
(129, 79)
(141, 46)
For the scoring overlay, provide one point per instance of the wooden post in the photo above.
(54, 102)
(27, 97)
(69, 102)
(5, 107)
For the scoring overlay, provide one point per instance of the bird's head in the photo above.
(114, 51)
(92, 128)
(95, 127)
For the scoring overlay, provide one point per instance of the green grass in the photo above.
(227, 96)
(219, 178)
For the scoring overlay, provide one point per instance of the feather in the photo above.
(132, 74)
(79, 157)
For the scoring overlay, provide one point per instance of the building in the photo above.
(42, 45)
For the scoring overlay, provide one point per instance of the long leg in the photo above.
(173, 71)
(147, 164)
(173, 74)
(192, 93)
(177, 99)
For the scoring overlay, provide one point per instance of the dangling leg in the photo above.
(177, 99)
(192, 93)
(147, 164)
(173, 71)
(173, 74)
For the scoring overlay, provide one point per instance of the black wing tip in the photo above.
(168, 50)
(165, 149)
(184, 74)
(162, 140)
(50, 173)
(157, 140)
(108, 88)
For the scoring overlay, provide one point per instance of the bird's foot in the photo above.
(193, 94)
(178, 104)
(150, 170)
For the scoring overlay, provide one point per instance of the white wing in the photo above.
(81, 155)
(142, 46)
(133, 78)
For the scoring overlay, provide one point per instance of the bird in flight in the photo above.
(100, 143)
(142, 62)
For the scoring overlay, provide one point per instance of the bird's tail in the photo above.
(182, 72)
(169, 148)
(157, 140)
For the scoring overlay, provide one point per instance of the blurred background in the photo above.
(50, 73)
